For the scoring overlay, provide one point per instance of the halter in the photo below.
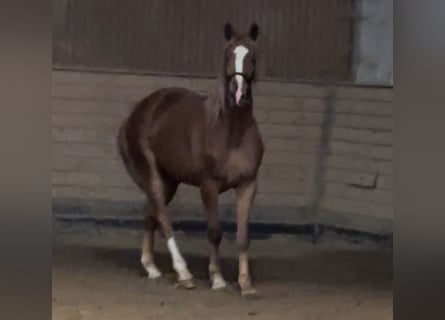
(246, 78)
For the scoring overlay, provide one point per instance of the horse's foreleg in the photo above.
(147, 257)
(209, 194)
(245, 195)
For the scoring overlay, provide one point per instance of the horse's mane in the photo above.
(214, 104)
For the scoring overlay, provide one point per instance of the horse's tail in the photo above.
(127, 156)
(122, 147)
(136, 156)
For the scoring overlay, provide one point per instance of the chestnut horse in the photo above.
(211, 142)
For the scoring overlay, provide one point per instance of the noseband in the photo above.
(246, 78)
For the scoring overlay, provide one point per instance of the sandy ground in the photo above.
(96, 275)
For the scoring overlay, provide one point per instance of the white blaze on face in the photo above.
(240, 53)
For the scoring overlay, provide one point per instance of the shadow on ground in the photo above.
(333, 267)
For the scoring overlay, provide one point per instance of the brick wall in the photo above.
(328, 151)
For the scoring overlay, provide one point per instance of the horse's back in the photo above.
(163, 107)
(161, 101)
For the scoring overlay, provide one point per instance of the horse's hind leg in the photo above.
(150, 226)
(156, 193)
(209, 194)
(147, 257)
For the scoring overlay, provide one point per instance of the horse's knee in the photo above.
(214, 234)
(151, 223)
(243, 246)
(242, 242)
(165, 227)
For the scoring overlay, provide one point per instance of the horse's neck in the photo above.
(235, 120)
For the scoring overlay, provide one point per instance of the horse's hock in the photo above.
(334, 155)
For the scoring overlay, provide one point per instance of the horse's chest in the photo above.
(237, 166)
(233, 158)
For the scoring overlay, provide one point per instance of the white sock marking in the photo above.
(179, 263)
(240, 53)
(218, 281)
(150, 267)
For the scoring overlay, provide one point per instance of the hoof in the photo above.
(218, 282)
(218, 285)
(247, 291)
(154, 274)
(151, 270)
(186, 284)
(250, 293)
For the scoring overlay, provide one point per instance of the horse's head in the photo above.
(239, 65)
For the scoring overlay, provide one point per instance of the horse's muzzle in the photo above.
(244, 102)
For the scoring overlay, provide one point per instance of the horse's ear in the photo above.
(253, 31)
(228, 31)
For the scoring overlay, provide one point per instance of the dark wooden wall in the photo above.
(300, 39)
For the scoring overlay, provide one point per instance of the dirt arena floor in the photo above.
(96, 275)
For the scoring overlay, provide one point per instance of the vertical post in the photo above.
(320, 169)
(373, 42)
